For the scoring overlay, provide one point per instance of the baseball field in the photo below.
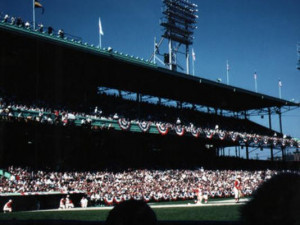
(222, 210)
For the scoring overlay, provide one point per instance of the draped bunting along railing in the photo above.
(162, 128)
(100, 123)
(124, 124)
(195, 131)
(144, 126)
(179, 130)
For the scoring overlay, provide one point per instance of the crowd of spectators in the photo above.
(106, 187)
(201, 123)
(18, 21)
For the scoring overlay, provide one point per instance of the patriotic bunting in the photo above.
(124, 124)
(195, 132)
(162, 128)
(222, 135)
(108, 200)
(234, 137)
(209, 134)
(265, 140)
(179, 130)
(255, 139)
(274, 141)
(118, 200)
(144, 126)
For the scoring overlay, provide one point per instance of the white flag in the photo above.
(100, 27)
(193, 55)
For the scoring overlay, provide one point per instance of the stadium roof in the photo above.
(79, 66)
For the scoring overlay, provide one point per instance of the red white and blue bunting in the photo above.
(174, 197)
(144, 126)
(195, 132)
(266, 140)
(255, 139)
(209, 134)
(124, 124)
(146, 198)
(245, 138)
(283, 142)
(118, 200)
(126, 197)
(234, 137)
(179, 130)
(156, 197)
(108, 200)
(162, 128)
(222, 135)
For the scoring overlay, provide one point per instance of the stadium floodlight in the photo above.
(179, 24)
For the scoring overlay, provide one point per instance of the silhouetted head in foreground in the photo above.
(277, 201)
(131, 212)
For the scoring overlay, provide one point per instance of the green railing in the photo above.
(104, 123)
(95, 122)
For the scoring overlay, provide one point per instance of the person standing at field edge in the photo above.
(84, 202)
(8, 206)
(237, 189)
(69, 203)
(62, 203)
(199, 195)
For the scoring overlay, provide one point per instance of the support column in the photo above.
(187, 60)
(245, 114)
(170, 55)
(270, 127)
(247, 152)
(280, 122)
(283, 153)
(272, 154)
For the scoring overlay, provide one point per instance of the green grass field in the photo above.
(212, 213)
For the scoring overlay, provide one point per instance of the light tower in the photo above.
(179, 23)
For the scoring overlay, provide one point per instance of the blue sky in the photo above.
(254, 35)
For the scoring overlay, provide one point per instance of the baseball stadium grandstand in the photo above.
(76, 120)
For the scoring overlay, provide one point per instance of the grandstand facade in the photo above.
(51, 86)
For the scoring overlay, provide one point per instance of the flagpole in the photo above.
(279, 88)
(193, 67)
(154, 50)
(256, 85)
(193, 60)
(255, 81)
(100, 44)
(279, 92)
(33, 14)
(227, 72)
